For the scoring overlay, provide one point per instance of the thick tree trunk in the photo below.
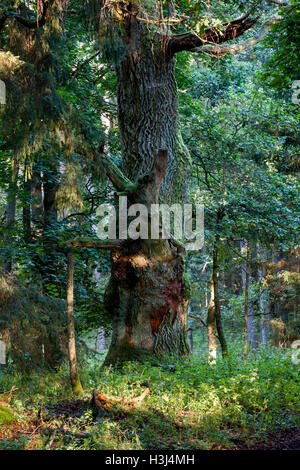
(147, 302)
(146, 295)
(148, 113)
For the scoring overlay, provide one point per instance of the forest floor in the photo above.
(32, 432)
(191, 405)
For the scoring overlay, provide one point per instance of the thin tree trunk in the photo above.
(211, 327)
(218, 315)
(245, 245)
(190, 338)
(262, 301)
(214, 316)
(74, 375)
(11, 212)
(26, 208)
(49, 265)
(37, 198)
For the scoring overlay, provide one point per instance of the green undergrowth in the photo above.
(192, 405)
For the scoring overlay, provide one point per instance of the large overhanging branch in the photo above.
(29, 23)
(224, 49)
(191, 41)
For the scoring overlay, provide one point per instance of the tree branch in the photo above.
(225, 49)
(190, 41)
(197, 318)
(81, 65)
(29, 23)
(118, 179)
(96, 243)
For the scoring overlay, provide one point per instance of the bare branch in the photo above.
(195, 317)
(81, 65)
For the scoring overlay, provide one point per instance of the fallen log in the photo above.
(102, 403)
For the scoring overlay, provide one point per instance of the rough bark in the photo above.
(146, 294)
(148, 111)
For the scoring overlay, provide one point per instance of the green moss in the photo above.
(6, 415)
(77, 387)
